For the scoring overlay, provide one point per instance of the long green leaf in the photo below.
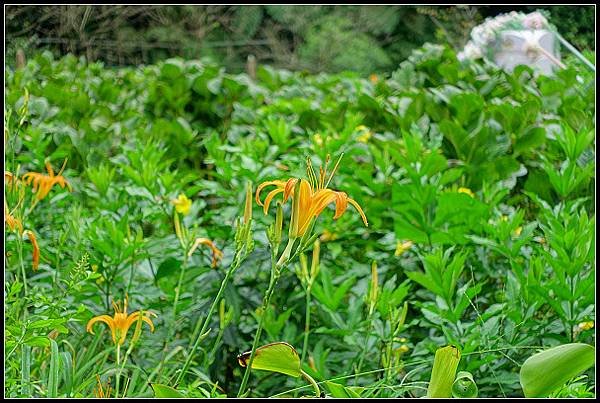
(53, 373)
(546, 371)
(67, 370)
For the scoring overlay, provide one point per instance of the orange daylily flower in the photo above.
(43, 183)
(313, 195)
(120, 323)
(36, 248)
(216, 253)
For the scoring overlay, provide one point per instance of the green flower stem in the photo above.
(364, 350)
(275, 273)
(23, 273)
(313, 383)
(211, 311)
(178, 289)
(118, 373)
(306, 324)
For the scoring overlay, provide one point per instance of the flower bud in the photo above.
(248, 206)
(314, 267)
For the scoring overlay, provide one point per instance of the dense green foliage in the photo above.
(490, 176)
(315, 38)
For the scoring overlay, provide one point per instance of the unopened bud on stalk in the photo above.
(373, 294)
(138, 330)
(248, 207)
(304, 269)
(314, 267)
(178, 229)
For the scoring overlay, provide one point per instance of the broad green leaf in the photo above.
(443, 372)
(165, 391)
(276, 357)
(168, 267)
(546, 371)
(38, 341)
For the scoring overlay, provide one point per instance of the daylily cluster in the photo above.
(310, 198)
(14, 223)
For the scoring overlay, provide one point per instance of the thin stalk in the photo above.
(211, 311)
(312, 382)
(364, 350)
(575, 52)
(20, 251)
(118, 373)
(275, 273)
(172, 329)
(306, 324)
(132, 271)
(178, 289)
(571, 308)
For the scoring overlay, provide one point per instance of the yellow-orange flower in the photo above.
(182, 204)
(327, 236)
(43, 183)
(374, 79)
(120, 323)
(586, 325)
(217, 255)
(402, 247)
(313, 196)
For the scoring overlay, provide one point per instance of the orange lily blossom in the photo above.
(313, 195)
(43, 183)
(121, 322)
(217, 255)
(12, 222)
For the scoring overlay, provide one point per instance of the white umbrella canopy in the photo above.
(534, 48)
(514, 39)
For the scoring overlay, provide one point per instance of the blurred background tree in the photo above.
(315, 38)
